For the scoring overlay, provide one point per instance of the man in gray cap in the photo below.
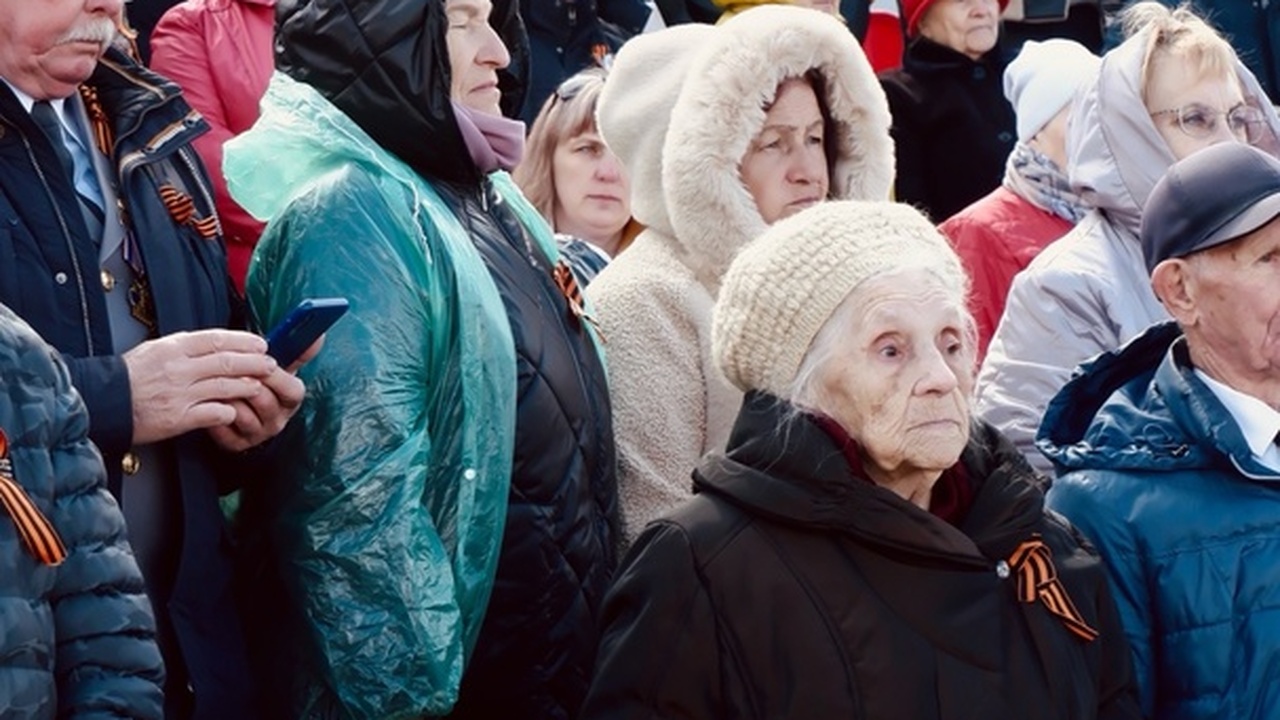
(1167, 446)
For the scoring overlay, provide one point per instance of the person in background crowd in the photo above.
(733, 7)
(861, 549)
(1252, 27)
(575, 180)
(1077, 20)
(450, 499)
(566, 36)
(1173, 88)
(219, 53)
(998, 236)
(114, 255)
(745, 123)
(676, 12)
(143, 16)
(1168, 446)
(77, 637)
(952, 127)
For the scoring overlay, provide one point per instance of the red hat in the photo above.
(913, 10)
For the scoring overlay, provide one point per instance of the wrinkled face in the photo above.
(966, 26)
(1237, 307)
(1170, 86)
(593, 197)
(785, 168)
(901, 381)
(476, 54)
(48, 47)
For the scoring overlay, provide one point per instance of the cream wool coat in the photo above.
(680, 109)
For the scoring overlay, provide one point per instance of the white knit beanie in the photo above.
(1044, 78)
(782, 288)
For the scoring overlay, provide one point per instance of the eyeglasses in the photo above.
(1198, 121)
(570, 88)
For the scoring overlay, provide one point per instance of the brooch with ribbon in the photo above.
(1038, 580)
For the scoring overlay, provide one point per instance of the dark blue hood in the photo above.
(1142, 408)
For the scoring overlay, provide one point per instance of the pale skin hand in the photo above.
(216, 379)
(263, 416)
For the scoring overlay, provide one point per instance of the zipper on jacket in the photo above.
(197, 179)
(70, 243)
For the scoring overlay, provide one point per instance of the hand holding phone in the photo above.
(302, 327)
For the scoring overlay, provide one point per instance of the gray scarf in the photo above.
(1038, 180)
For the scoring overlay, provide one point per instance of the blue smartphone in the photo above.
(304, 324)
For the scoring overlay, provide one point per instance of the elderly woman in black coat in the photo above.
(863, 548)
(952, 126)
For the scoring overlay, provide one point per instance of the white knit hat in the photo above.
(782, 288)
(1044, 78)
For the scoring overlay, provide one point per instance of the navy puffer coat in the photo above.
(76, 639)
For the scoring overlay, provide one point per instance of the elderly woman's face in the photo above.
(901, 381)
(785, 168)
(1176, 88)
(476, 54)
(966, 26)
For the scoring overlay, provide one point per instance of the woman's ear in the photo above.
(1174, 283)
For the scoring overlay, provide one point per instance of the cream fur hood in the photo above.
(716, 84)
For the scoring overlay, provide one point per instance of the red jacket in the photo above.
(996, 238)
(220, 54)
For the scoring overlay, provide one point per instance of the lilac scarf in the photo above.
(495, 142)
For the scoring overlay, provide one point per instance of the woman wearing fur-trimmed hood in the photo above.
(692, 111)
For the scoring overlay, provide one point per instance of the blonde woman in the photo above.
(575, 180)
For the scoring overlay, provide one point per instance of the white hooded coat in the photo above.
(1088, 292)
(680, 109)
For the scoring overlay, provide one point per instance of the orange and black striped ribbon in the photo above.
(568, 284)
(1038, 580)
(34, 528)
(98, 122)
(182, 208)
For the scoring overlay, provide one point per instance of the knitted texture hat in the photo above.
(1044, 78)
(782, 288)
(914, 10)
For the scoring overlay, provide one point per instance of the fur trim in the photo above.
(721, 108)
(634, 110)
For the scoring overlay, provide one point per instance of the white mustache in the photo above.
(99, 30)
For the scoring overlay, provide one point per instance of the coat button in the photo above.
(130, 463)
(979, 73)
(108, 281)
(1005, 136)
(60, 278)
(1002, 570)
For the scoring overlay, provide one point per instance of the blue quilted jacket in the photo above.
(1156, 472)
(76, 639)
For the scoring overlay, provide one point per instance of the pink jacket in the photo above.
(220, 54)
(996, 238)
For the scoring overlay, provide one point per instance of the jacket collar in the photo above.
(924, 56)
(1141, 407)
(145, 110)
(782, 466)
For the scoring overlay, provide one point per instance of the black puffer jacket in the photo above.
(953, 129)
(536, 646)
(788, 588)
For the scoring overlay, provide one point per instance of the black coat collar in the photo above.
(782, 466)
